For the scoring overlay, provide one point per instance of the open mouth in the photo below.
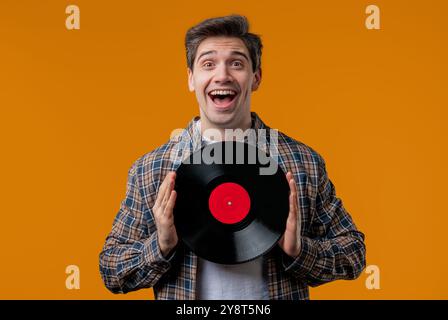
(222, 98)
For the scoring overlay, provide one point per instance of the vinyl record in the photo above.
(228, 210)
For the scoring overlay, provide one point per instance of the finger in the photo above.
(292, 216)
(162, 190)
(297, 222)
(288, 176)
(160, 193)
(292, 185)
(281, 241)
(298, 217)
(296, 204)
(291, 203)
(292, 188)
(167, 193)
(168, 189)
(170, 205)
(171, 186)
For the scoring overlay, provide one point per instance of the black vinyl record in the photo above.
(227, 209)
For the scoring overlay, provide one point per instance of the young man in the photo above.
(320, 243)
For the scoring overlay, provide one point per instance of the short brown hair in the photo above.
(229, 26)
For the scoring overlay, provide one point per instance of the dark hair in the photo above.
(229, 26)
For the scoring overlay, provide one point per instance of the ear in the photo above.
(257, 80)
(190, 80)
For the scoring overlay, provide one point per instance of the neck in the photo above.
(213, 132)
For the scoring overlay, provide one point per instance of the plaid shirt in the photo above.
(331, 246)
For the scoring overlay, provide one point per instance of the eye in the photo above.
(237, 64)
(207, 64)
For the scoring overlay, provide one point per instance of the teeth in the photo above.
(222, 92)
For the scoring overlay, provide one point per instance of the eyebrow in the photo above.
(238, 53)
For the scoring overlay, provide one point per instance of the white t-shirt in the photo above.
(245, 281)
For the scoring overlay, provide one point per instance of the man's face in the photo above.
(223, 81)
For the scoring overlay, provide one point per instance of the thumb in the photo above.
(281, 241)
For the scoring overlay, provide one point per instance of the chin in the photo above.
(221, 118)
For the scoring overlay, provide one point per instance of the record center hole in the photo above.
(229, 203)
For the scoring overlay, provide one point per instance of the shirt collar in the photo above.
(191, 139)
(193, 128)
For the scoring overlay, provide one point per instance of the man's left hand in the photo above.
(290, 241)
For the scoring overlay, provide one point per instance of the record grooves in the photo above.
(229, 213)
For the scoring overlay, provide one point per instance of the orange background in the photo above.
(78, 107)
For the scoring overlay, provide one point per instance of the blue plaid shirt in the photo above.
(331, 246)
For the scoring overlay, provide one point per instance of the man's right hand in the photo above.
(163, 214)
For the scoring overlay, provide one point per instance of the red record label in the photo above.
(229, 203)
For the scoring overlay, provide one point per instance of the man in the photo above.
(320, 243)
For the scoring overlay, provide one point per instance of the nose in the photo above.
(222, 74)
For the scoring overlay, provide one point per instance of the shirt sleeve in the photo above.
(334, 248)
(131, 258)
